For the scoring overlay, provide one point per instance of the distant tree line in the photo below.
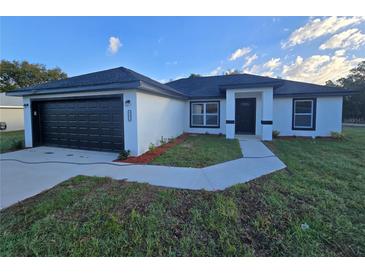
(353, 105)
(15, 74)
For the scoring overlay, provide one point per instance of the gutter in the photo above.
(317, 94)
(102, 87)
(114, 86)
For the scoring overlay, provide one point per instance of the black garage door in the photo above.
(93, 124)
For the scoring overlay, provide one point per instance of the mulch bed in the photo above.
(149, 156)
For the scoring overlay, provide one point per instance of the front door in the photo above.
(245, 115)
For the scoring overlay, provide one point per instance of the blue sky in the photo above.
(301, 48)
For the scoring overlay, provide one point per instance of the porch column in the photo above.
(230, 114)
(267, 114)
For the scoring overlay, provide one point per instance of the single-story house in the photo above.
(118, 109)
(11, 113)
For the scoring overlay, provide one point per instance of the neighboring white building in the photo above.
(120, 109)
(11, 113)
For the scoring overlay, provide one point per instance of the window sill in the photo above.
(306, 129)
(191, 126)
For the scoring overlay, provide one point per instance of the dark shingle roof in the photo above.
(196, 87)
(111, 79)
(300, 88)
(214, 86)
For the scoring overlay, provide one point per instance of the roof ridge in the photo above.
(228, 75)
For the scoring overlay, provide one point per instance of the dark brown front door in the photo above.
(245, 115)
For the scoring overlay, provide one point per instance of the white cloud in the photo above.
(272, 64)
(239, 53)
(267, 73)
(114, 45)
(255, 69)
(318, 27)
(216, 71)
(340, 52)
(249, 60)
(171, 63)
(320, 68)
(349, 39)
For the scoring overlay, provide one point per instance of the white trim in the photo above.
(204, 114)
(15, 107)
(303, 113)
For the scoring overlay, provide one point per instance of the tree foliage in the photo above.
(232, 72)
(23, 74)
(354, 105)
(193, 75)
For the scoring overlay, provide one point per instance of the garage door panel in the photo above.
(95, 124)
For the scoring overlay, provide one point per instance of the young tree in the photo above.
(17, 74)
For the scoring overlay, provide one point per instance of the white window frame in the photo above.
(204, 114)
(311, 114)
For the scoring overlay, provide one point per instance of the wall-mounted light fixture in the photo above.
(127, 103)
(25, 105)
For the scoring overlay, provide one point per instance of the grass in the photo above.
(200, 151)
(324, 187)
(12, 140)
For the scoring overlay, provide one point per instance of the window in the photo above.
(304, 111)
(204, 114)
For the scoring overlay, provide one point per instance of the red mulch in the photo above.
(149, 156)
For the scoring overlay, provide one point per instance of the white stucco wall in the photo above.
(28, 137)
(13, 117)
(328, 117)
(203, 130)
(158, 117)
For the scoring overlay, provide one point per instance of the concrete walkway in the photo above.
(28, 172)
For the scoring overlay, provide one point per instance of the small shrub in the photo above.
(17, 144)
(275, 133)
(337, 135)
(124, 154)
(151, 147)
(163, 140)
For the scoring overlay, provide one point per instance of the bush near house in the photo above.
(11, 140)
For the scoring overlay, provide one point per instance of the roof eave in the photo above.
(159, 91)
(114, 86)
(316, 94)
(251, 85)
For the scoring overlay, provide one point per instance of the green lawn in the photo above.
(324, 187)
(12, 140)
(200, 151)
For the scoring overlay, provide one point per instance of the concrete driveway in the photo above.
(28, 172)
